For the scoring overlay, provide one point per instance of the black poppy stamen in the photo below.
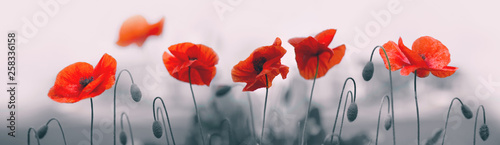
(258, 64)
(193, 58)
(85, 81)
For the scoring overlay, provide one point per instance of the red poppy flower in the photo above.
(80, 80)
(308, 50)
(136, 30)
(198, 58)
(263, 61)
(428, 55)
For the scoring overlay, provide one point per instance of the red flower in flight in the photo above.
(80, 80)
(308, 50)
(136, 30)
(187, 59)
(263, 61)
(428, 55)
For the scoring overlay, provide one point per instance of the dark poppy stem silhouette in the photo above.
(196, 107)
(379, 112)
(392, 94)
(310, 100)
(465, 111)
(343, 115)
(166, 114)
(36, 136)
(43, 130)
(114, 100)
(340, 103)
(264, 117)
(251, 115)
(484, 124)
(129, 126)
(416, 107)
(91, 122)
(158, 111)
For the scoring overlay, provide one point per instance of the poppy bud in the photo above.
(135, 92)
(157, 129)
(368, 71)
(42, 131)
(123, 138)
(388, 122)
(352, 112)
(466, 111)
(484, 132)
(222, 90)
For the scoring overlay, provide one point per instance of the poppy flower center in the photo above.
(258, 64)
(85, 81)
(423, 57)
(192, 58)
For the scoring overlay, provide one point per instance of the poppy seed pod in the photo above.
(222, 90)
(42, 131)
(123, 138)
(157, 129)
(466, 111)
(368, 71)
(135, 92)
(352, 112)
(484, 132)
(388, 122)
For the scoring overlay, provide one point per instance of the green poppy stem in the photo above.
(196, 107)
(158, 111)
(392, 94)
(168, 119)
(379, 112)
(251, 115)
(475, 122)
(91, 122)
(448, 116)
(310, 100)
(416, 107)
(36, 136)
(343, 114)
(129, 126)
(340, 103)
(264, 117)
(114, 101)
(60, 127)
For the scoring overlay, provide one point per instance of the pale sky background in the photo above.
(71, 31)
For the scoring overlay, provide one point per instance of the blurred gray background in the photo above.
(55, 34)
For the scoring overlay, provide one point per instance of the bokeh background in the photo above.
(67, 31)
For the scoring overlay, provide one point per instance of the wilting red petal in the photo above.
(435, 53)
(444, 72)
(326, 36)
(106, 66)
(396, 57)
(67, 87)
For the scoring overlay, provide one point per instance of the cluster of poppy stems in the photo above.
(195, 64)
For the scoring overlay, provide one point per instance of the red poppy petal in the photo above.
(326, 36)
(207, 55)
(180, 50)
(277, 42)
(206, 74)
(405, 71)
(67, 87)
(338, 54)
(422, 73)
(107, 65)
(96, 87)
(412, 56)
(444, 72)
(284, 71)
(296, 41)
(396, 57)
(259, 82)
(435, 53)
(243, 72)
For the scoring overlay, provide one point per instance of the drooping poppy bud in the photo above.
(157, 129)
(42, 131)
(135, 92)
(368, 71)
(352, 112)
(466, 111)
(123, 138)
(388, 122)
(435, 137)
(222, 90)
(484, 132)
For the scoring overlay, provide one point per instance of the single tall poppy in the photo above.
(81, 80)
(187, 59)
(265, 60)
(308, 50)
(428, 55)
